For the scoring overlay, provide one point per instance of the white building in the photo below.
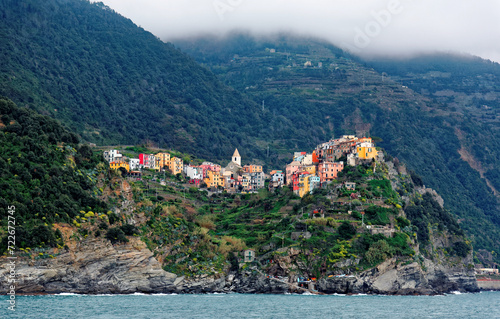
(307, 160)
(193, 172)
(278, 179)
(134, 164)
(112, 156)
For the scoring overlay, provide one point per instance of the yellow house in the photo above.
(222, 181)
(162, 160)
(175, 165)
(304, 184)
(311, 169)
(118, 164)
(366, 150)
(213, 179)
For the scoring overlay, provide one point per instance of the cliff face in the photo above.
(391, 278)
(92, 266)
(95, 267)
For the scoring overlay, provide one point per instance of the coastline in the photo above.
(95, 267)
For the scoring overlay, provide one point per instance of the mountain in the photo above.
(81, 227)
(466, 88)
(112, 82)
(319, 91)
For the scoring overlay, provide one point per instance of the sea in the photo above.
(71, 306)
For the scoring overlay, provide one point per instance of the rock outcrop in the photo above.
(414, 278)
(94, 266)
(99, 268)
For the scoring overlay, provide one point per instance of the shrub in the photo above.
(206, 221)
(116, 235)
(461, 249)
(129, 230)
(113, 218)
(402, 222)
(378, 252)
(346, 230)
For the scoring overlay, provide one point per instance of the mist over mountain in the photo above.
(367, 28)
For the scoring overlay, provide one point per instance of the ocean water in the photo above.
(480, 305)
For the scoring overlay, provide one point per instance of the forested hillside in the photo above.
(44, 174)
(317, 89)
(112, 82)
(464, 87)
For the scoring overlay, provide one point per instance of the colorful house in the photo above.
(252, 168)
(134, 164)
(291, 169)
(162, 160)
(246, 182)
(112, 156)
(328, 171)
(213, 179)
(147, 161)
(311, 169)
(307, 160)
(195, 173)
(277, 179)
(303, 183)
(366, 151)
(176, 165)
(117, 164)
(257, 180)
(206, 166)
(314, 183)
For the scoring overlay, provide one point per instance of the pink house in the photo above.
(327, 171)
(291, 168)
(208, 166)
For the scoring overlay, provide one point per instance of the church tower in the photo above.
(236, 157)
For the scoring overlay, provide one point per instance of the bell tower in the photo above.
(236, 157)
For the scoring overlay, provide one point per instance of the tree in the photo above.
(346, 230)
(378, 252)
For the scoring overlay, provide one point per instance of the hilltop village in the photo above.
(307, 171)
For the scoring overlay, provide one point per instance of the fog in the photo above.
(364, 27)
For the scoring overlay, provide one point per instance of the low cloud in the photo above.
(366, 27)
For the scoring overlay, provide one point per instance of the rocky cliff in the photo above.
(95, 267)
(414, 278)
(92, 266)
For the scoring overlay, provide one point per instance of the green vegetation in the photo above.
(457, 111)
(192, 233)
(427, 211)
(112, 82)
(44, 174)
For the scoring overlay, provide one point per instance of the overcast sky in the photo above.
(365, 27)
